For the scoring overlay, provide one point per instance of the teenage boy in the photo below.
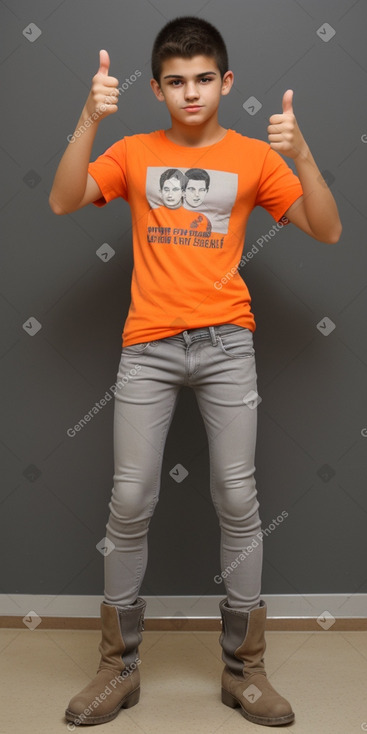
(184, 331)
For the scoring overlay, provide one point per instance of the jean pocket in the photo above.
(138, 348)
(237, 344)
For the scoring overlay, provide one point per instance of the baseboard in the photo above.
(318, 612)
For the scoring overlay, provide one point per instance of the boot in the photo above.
(117, 683)
(244, 680)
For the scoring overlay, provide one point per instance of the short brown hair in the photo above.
(186, 37)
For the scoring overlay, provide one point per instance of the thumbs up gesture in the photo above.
(103, 96)
(283, 132)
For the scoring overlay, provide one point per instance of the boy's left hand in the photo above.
(283, 132)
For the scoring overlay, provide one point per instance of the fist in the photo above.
(283, 132)
(104, 92)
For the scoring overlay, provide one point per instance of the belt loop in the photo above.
(213, 336)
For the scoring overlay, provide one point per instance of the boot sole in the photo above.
(229, 700)
(131, 700)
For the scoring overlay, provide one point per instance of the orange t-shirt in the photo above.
(184, 277)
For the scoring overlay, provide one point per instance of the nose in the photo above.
(191, 91)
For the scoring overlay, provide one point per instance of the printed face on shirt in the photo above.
(195, 192)
(171, 192)
(211, 195)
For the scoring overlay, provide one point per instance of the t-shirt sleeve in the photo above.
(109, 171)
(278, 187)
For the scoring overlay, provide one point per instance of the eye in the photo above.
(206, 79)
(175, 82)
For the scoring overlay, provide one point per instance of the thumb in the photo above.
(287, 101)
(104, 62)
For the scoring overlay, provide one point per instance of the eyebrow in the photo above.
(180, 76)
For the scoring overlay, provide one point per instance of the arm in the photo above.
(73, 187)
(315, 212)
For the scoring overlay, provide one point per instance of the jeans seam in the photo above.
(249, 354)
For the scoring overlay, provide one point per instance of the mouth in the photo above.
(193, 107)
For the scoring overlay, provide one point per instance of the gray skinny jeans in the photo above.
(218, 362)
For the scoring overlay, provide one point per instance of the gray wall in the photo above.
(311, 449)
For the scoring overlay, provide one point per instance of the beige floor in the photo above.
(323, 674)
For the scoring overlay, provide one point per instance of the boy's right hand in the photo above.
(103, 96)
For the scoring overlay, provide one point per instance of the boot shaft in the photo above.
(243, 638)
(121, 634)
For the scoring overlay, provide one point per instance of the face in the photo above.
(172, 193)
(191, 88)
(195, 192)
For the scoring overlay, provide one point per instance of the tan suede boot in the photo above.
(244, 680)
(117, 683)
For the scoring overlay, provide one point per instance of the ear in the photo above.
(157, 90)
(227, 82)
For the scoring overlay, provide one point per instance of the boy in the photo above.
(182, 330)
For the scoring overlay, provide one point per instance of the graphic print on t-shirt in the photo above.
(189, 205)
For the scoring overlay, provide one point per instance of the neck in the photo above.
(195, 136)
